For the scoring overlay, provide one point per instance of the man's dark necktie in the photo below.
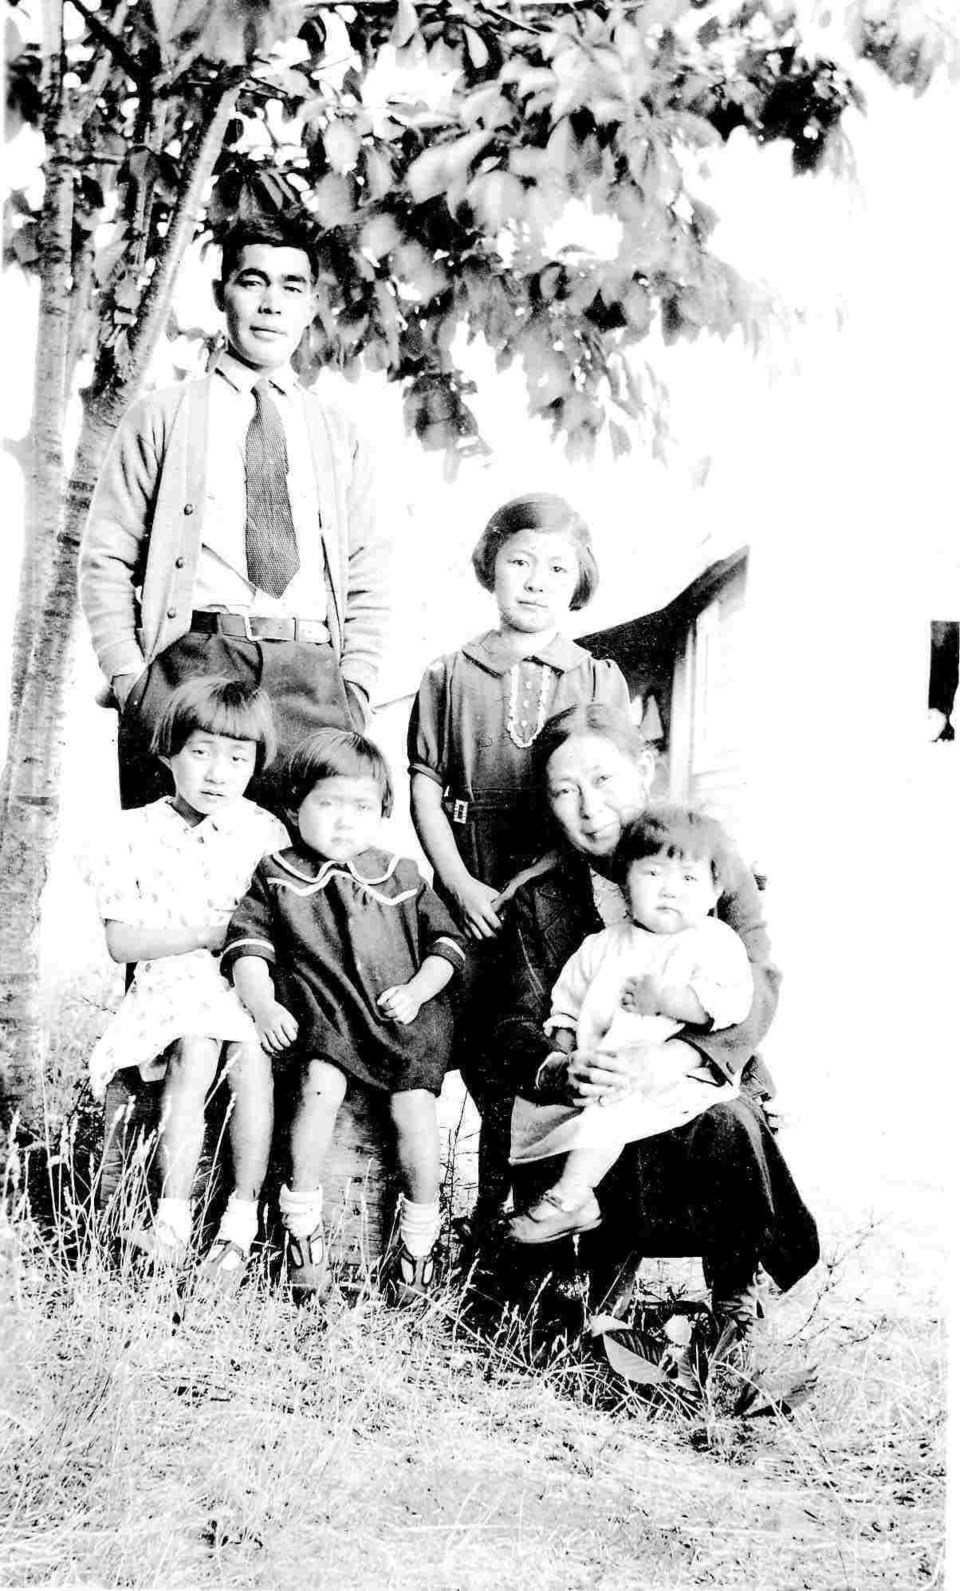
(271, 541)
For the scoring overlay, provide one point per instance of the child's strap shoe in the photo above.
(410, 1278)
(307, 1270)
(225, 1264)
(160, 1244)
(547, 1221)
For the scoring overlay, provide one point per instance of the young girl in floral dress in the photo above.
(476, 717)
(167, 879)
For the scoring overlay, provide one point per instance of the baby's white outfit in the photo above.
(710, 959)
(155, 870)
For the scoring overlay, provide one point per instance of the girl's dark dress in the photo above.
(459, 737)
(337, 934)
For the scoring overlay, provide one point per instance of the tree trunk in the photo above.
(45, 475)
(31, 782)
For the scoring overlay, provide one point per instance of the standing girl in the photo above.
(342, 953)
(476, 717)
(167, 881)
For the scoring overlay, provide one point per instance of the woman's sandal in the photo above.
(548, 1221)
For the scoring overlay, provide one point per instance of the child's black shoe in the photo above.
(409, 1278)
(307, 1270)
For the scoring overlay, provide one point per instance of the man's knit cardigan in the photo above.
(145, 527)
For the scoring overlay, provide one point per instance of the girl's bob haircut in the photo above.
(218, 706)
(538, 511)
(676, 831)
(335, 754)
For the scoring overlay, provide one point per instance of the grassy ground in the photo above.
(157, 1439)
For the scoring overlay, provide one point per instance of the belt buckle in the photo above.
(245, 621)
(460, 810)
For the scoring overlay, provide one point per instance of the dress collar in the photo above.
(214, 823)
(490, 652)
(242, 376)
(369, 867)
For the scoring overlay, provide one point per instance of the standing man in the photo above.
(233, 528)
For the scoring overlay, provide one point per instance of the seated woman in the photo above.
(717, 1186)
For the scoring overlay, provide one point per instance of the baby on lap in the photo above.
(630, 988)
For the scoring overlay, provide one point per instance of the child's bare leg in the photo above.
(414, 1114)
(301, 1204)
(311, 1135)
(191, 1070)
(582, 1170)
(250, 1076)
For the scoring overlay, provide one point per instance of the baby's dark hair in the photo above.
(665, 829)
(336, 754)
(279, 232)
(218, 706)
(538, 511)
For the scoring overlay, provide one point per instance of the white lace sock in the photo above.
(174, 1214)
(301, 1210)
(419, 1226)
(239, 1222)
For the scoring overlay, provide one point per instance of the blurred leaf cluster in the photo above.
(441, 149)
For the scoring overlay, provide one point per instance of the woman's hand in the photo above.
(215, 938)
(476, 902)
(593, 1078)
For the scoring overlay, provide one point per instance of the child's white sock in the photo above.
(239, 1222)
(175, 1215)
(301, 1210)
(419, 1226)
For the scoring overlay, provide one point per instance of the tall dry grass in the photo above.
(156, 1435)
(164, 1437)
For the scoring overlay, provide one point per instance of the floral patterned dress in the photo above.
(155, 870)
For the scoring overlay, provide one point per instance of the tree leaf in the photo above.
(379, 235)
(630, 1361)
(619, 439)
(779, 1395)
(334, 200)
(462, 152)
(427, 176)
(476, 49)
(405, 25)
(378, 172)
(341, 145)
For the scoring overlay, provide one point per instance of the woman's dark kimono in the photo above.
(718, 1186)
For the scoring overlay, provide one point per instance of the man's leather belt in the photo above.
(260, 627)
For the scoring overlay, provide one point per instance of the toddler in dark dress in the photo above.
(342, 953)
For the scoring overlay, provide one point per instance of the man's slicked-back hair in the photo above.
(538, 511)
(335, 754)
(277, 232)
(217, 705)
